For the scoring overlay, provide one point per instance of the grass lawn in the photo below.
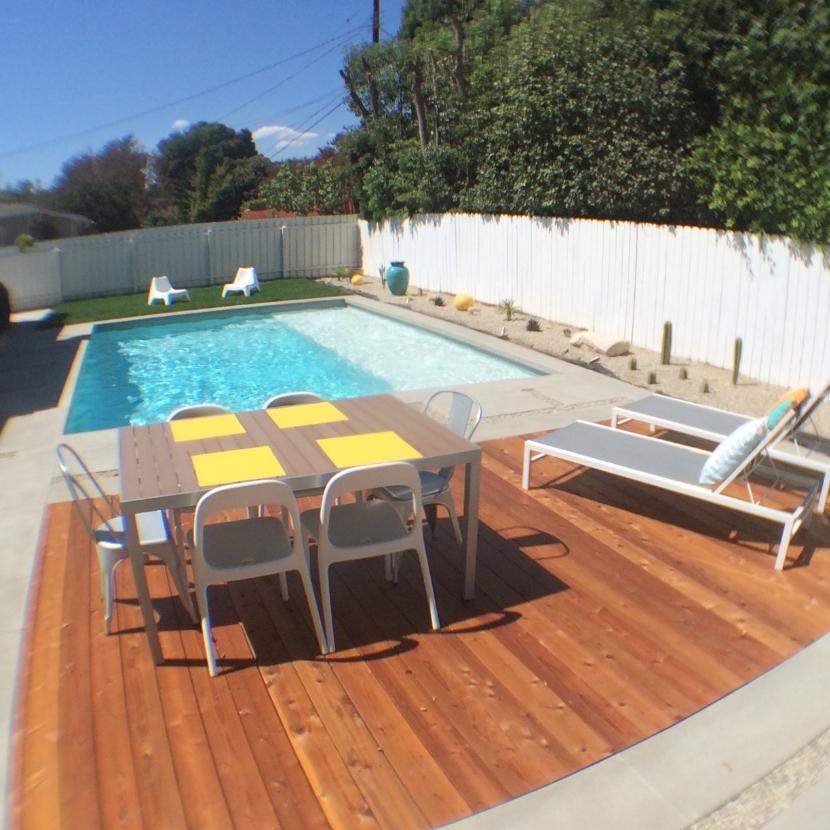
(135, 305)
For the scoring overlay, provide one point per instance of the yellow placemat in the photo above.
(229, 466)
(208, 426)
(306, 414)
(367, 448)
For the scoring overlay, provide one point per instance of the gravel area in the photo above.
(681, 379)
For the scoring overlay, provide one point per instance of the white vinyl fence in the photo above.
(205, 254)
(626, 280)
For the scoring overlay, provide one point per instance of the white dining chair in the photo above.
(291, 398)
(460, 413)
(362, 528)
(106, 528)
(245, 548)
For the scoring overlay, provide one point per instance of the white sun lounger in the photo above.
(712, 424)
(670, 466)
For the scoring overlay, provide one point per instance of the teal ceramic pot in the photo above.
(397, 278)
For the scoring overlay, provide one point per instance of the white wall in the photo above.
(626, 280)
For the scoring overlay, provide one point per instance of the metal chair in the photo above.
(363, 529)
(110, 537)
(461, 414)
(290, 398)
(257, 545)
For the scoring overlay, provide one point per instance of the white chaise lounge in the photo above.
(712, 424)
(672, 467)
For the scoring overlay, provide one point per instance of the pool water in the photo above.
(139, 372)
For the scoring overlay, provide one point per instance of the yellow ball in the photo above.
(357, 279)
(463, 302)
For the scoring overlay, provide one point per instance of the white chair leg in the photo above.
(106, 564)
(314, 611)
(284, 586)
(325, 601)
(783, 545)
(449, 503)
(427, 578)
(207, 634)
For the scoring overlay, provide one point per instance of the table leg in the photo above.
(137, 562)
(472, 475)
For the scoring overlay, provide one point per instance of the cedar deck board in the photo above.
(603, 612)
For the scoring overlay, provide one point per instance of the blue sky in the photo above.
(77, 74)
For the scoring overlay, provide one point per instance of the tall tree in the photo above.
(207, 171)
(109, 187)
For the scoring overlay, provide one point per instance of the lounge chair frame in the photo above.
(712, 424)
(579, 443)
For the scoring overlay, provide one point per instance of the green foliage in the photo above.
(737, 351)
(665, 348)
(437, 301)
(109, 187)
(206, 172)
(307, 187)
(24, 242)
(508, 308)
(533, 325)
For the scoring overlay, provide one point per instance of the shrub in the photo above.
(533, 325)
(5, 307)
(437, 300)
(24, 242)
(508, 308)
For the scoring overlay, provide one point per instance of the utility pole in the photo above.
(375, 21)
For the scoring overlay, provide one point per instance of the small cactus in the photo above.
(439, 300)
(652, 378)
(704, 387)
(632, 363)
(533, 325)
(736, 359)
(683, 374)
(665, 350)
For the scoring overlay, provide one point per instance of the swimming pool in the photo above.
(137, 372)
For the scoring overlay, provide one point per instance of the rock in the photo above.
(603, 343)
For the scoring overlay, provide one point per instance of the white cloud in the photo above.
(180, 124)
(271, 139)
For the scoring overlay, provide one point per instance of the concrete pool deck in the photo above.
(673, 780)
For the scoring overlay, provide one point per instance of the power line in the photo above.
(69, 136)
(300, 133)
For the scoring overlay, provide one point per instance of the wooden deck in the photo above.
(604, 612)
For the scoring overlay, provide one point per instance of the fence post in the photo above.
(59, 268)
(209, 255)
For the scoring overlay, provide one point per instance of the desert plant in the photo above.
(24, 241)
(5, 307)
(533, 325)
(683, 374)
(736, 359)
(704, 387)
(342, 272)
(665, 351)
(437, 300)
(632, 363)
(508, 308)
(652, 378)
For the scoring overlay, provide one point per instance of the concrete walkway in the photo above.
(756, 751)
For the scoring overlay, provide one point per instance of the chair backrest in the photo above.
(372, 477)
(458, 411)
(162, 283)
(290, 398)
(198, 410)
(810, 405)
(245, 494)
(246, 275)
(72, 467)
(783, 429)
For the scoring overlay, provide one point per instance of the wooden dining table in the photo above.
(171, 465)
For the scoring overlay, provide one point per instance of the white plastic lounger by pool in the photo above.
(670, 466)
(161, 290)
(712, 424)
(245, 282)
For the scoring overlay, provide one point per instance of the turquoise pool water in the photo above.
(138, 372)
